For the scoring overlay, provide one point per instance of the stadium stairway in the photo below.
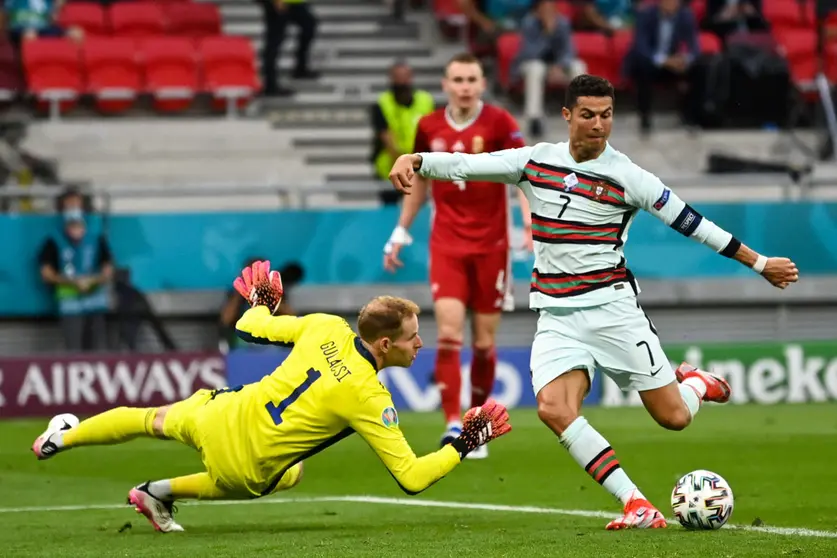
(357, 42)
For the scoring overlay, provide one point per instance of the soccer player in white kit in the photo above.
(583, 195)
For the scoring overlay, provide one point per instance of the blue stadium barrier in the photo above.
(194, 251)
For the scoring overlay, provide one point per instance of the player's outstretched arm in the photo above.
(400, 237)
(377, 423)
(505, 167)
(651, 194)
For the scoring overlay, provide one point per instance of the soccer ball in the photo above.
(64, 421)
(702, 500)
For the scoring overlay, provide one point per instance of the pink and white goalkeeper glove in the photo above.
(260, 286)
(481, 425)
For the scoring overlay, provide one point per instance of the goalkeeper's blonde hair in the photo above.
(383, 316)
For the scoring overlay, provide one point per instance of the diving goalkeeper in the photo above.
(254, 438)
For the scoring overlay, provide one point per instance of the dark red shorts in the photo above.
(481, 281)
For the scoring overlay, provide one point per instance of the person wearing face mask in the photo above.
(395, 118)
(77, 264)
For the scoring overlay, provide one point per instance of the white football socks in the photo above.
(594, 454)
(161, 490)
(692, 390)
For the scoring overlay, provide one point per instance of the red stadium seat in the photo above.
(600, 54)
(113, 72)
(799, 46)
(171, 72)
(508, 45)
(710, 43)
(787, 14)
(448, 11)
(230, 71)
(187, 19)
(450, 18)
(137, 19)
(89, 16)
(53, 72)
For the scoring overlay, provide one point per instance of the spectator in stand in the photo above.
(606, 16)
(489, 18)
(724, 17)
(30, 19)
(77, 264)
(547, 58)
(665, 48)
(395, 118)
(277, 14)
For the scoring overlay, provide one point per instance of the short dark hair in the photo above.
(463, 58)
(586, 85)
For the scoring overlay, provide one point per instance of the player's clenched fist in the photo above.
(481, 425)
(781, 272)
(403, 171)
(260, 286)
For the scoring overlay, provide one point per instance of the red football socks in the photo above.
(449, 378)
(483, 368)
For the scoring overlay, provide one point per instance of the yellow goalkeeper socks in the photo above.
(111, 427)
(191, 487)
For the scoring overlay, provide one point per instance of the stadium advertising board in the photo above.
(413, 389)
(763, 373)
(90, 384)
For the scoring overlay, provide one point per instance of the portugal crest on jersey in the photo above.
(599, 189)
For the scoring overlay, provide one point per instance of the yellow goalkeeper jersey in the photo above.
(325, 390)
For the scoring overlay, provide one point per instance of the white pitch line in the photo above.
(782, 531)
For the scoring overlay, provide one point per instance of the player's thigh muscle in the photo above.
(488, 275)
(448, 277)
(556, 348)
(181, 418)
(626, 347)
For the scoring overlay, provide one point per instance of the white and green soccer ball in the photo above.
(702, 500)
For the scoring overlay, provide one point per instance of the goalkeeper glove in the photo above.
(260, 287)
(480, 426)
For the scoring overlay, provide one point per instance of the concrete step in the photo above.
(326, 103)
(351, 48)
(330, 159)
(329, 141)
(333, 31)
(317, 4)
(358, 177)
(251, 11)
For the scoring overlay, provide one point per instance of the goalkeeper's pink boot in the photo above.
(639, 514)
(717, 388)
(158, 512)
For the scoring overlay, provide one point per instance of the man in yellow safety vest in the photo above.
(395, 118)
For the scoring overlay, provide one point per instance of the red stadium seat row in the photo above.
(143, 19)
(603, 55)
(115, 71)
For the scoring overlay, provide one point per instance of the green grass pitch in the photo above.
(779, 460)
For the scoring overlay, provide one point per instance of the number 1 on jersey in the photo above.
(277, 410)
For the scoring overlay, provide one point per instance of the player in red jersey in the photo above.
(469, 241)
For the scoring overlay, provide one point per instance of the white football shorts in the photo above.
(616, 337)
